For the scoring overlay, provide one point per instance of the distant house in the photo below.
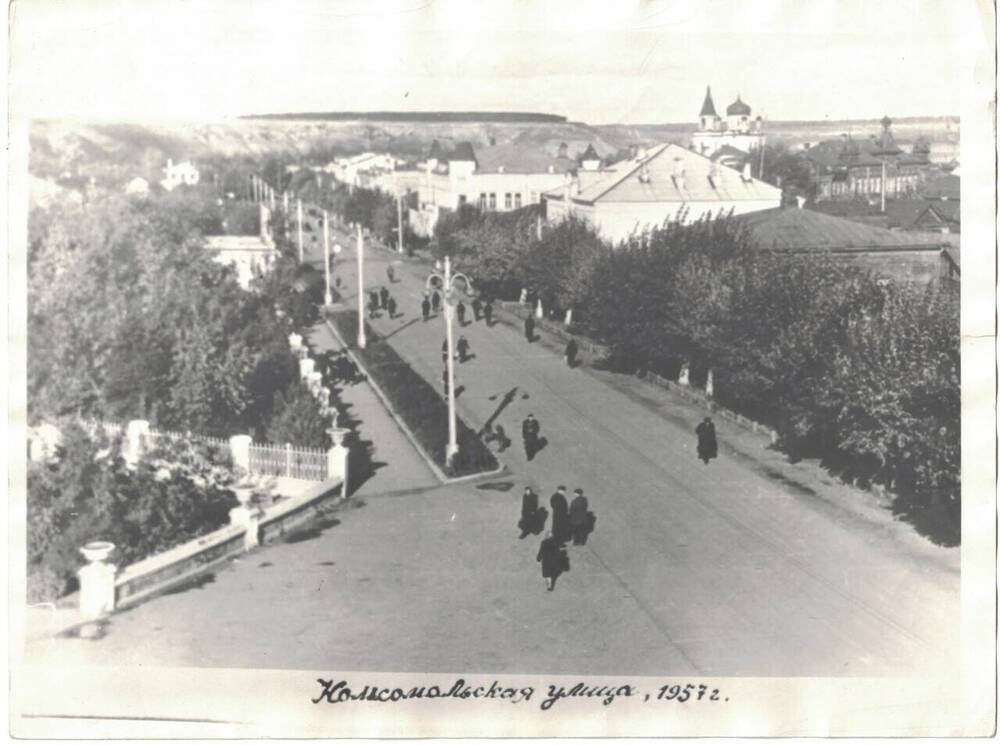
(898, 255)
(137, 187)
(176, 174)
(497, 178)
(951, 266)
(666, 182)
(251, 255)
(849, 168)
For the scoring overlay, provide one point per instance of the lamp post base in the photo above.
(450, 451)
(327, 299)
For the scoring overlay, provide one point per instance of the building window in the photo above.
(461, 200)
(517, 201)
(493, 200)
(482, 201)
(508, 202)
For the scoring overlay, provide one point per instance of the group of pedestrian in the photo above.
(381, 299)
(570, 520)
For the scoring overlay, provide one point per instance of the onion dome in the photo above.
(738, 108)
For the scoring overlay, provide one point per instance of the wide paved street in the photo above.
(714, 569)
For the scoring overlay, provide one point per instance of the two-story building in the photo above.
(667, 182)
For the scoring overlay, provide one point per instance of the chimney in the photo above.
(563, 150)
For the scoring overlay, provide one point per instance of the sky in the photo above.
(599, 62)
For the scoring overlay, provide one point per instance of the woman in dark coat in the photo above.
(529, 328)
(579, 518)
(554, 560)
(560, 515)
(708, 446)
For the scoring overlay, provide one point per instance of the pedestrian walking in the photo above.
(460, 312)
(383, 295)
(373, 299)
(372, 307)
(503, 442)
(579, 518)
(390, 273)
(425, 308)
(560, 515)
(444, 381)
(463, 349)
(436, 301)
(488, 312)
(444, 352)
(554, 560)
(477, 308)
(708, 446)
(571, 352)
(529, 328)
(391, 305)
(532, 517)
(529, 433)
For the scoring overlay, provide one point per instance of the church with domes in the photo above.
(738, 130)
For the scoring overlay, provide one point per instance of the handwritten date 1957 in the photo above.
(680, 694)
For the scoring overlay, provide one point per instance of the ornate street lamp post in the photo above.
(446, 284)
(362, 342)
(327, 295)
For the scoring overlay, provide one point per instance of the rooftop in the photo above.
(792, 229)
(515, 158)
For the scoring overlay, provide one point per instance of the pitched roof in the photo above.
(730, 156)
(708, 107)
(793, 229)
(517, 158)
(670, 173)
(590, 154)
(463, 151)
(954, 253)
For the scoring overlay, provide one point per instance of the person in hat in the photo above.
(554, 560)
(529, 512)
(529, 433)
(560, 515)
(579, 518)
(708, 446)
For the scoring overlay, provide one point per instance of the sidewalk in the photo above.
(397, 466)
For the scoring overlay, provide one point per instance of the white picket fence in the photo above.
(309, 464)
(293, 462)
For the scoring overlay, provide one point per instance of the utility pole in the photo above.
(362, 342)
(298, 209)
(327, 297)
(399, 217)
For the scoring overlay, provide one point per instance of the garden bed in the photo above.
(416, 402)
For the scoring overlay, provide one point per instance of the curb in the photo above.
(435, 469)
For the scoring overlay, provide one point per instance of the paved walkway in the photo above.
(718, 570)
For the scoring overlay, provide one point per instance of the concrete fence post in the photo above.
(710, 385)
(685, 376)
(288, 459)
(336, 458)
(246, 516)
(97, 581)
(569, 317)
(136, 434)
(539, 313)
(239, 449)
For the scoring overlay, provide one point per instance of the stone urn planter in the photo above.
(97, 551)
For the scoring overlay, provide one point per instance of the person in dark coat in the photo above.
(477, 308)
(373, 307)
(391, 305)
(554, 560)
(460, 312)
(708, 446)
(488, 313)
(463, 349)
(579, 518)
(444, 381)
(436, 301)
(571, 352)
(373, 299)
(444, 351)
(383, 295)
(529, 511)
(501, 435)
(425, 308)
(529, 433)
(560, 515)
(529, 328)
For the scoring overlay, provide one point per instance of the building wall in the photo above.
(922, 266)
(706, 143)
(616, 220)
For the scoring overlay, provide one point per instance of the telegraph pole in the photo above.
(298, 209)
(327, 297)
(362, 342)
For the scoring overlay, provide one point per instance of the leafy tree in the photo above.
(297, 419)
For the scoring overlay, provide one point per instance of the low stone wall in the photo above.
(153, 575)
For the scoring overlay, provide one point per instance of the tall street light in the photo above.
(362, 342)
(298, 212)
(399, 214)
(446, 283)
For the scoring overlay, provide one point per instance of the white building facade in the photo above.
(177, 174)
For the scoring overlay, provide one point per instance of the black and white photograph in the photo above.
(407, 368)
